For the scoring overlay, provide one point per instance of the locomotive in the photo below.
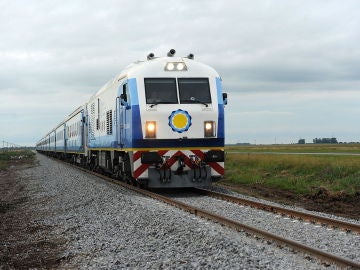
(159, 124)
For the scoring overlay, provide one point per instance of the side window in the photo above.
(125, 94)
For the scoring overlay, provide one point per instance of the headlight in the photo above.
(170, 66)
(175, 66)
(150, 129)
(209, 129)
(180, 66)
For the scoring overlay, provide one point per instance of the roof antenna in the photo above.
(171, 53)
(150, 56)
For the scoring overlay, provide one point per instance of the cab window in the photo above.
(194, 90)
(160, 91)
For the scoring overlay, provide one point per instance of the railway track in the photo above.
(334, 223)
(315, 252)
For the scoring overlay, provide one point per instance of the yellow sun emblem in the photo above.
(179, 121)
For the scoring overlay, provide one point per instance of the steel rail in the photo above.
(322, 255)
(282, 210)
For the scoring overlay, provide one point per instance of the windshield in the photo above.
(160, 90)
(194, 90)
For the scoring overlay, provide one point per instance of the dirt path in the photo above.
(24, 242)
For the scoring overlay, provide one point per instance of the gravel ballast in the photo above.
(105, 226)
(331, 240)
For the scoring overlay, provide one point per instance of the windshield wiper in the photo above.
(195, 101)
(160, 102)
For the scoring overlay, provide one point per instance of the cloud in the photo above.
(289, 116)
(261, 113)
(62, 52)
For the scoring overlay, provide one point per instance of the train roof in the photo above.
(158, 64)
(156, 67)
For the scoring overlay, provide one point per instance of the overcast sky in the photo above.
(291, 68)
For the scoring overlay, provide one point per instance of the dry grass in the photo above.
(7, 156)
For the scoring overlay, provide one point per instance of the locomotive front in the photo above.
(181, 110)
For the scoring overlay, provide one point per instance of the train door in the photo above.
(82, 131)
(65, 138)
(123, 105)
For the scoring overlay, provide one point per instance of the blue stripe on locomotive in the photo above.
(132, 117)
(221, 126)
(136, 120)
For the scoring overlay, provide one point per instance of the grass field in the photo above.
(303, 174)
(7, 156)
(299, 148)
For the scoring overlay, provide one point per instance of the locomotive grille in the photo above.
(109, 122)
(92, 122)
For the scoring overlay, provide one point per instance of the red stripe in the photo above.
(199, 153)
(137, 155)
(140, 170)
(218, 168)
(143, 167)
(171, 160)
(162, 152)
(174, 158)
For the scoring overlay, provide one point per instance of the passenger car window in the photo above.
(160, 91)
(194, 90)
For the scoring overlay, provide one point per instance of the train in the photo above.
(158, 124)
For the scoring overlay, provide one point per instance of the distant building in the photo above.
(325, 140)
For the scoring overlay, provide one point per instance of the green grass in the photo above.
(7, 156)
(304, 174)
(297, 148)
